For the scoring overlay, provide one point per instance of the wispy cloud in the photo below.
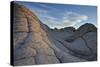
(65, 20)
(49, 17)
(43, 8)
(39, 11)
(47, 7)
(68, 19)
(73, 19)
(62, 15)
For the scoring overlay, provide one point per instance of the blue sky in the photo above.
(63, 15)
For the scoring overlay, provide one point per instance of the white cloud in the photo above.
(49, 17)
(68, 19)
(73, 19)
(39, 11)
(46, 6)
(50, 21)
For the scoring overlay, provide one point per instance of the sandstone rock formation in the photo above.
(69, 29)
(82, 30)
(35, 43)
(88, 33)
(31, 45)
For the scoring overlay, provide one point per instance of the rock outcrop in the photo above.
(82, 30)
(88, 33)
(35, 43)
(69, 29)
(31, 45)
